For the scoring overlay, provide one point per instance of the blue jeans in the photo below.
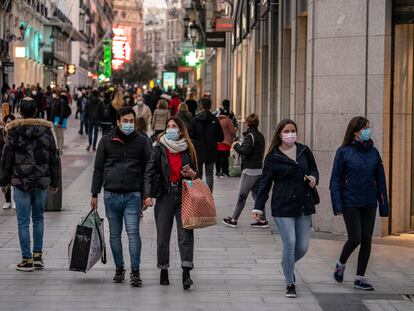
(126, 208)
(30, 202)
(93, 129)
(294, 232)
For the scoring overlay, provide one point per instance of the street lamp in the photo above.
(186, 23)
(194, 29)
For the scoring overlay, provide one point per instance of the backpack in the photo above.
(106, 111)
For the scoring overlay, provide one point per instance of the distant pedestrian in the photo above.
(174, 103)
(93, 113)
(117, 104)
(60, 114)
(120, 164)
(192, 104)
(142, 110)
(142, 127)
(357, 188)
(82, 103)
(224, 147)
(7, 194)
(205, 131)
(291, 169)
(30, 164)
(160, 118)
(251, 151)
(173, 159)
(184, 114)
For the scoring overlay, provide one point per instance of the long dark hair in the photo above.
(276, 140)
(184, 133)
(355, 125)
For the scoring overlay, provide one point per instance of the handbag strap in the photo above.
(101, 242)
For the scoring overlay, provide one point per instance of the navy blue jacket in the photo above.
(358, 179)
(291, 195)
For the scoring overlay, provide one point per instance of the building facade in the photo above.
(322, 63)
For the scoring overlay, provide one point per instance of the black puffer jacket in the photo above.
(30, 159)
(291, 195)
(94, 109)
(205, 131)
(252, 149)
(61, 109)
(158, 166)
(120, 162)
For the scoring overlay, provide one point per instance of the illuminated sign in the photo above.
(191, 59)
(20, 52)
(121, 47)
(200, 54)
(169, 79)
(224, 24)
(71, 69)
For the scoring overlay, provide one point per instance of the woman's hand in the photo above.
(312, 181)
(148, 202)
(189, 173)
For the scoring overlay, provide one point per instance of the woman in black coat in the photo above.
(357, 188)
(291, 169)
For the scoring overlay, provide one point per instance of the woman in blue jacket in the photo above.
(357, 187)
(291, 168)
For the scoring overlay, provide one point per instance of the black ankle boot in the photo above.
(164, 277)
(187, 281)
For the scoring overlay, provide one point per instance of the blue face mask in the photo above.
(172, 134)
(365, 134)
(127, 128)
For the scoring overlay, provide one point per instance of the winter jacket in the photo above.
(186, 117)
(30, 158)
(120, 162)
(228, 130)
(2, 141)
(291, 195)
(60, 109)
(93, 109)
(358, 179)
(174, 103)
(205, 131)
(145, 113)
(159, 119)
(159, 165)
(252, 149)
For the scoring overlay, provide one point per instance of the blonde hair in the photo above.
(183, 107)
(162, 104)
(118, 101)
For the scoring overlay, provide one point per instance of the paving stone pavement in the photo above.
(236, 269)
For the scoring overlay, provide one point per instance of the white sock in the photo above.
(341, 264)
(359, 277)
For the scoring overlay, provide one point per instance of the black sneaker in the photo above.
(135, 278)
(363, 284)
(38, 260)
(339, 273)
(88, 148)
(26, 265)
(291, 291)
(119, 275)
(164, 277)
(187, 281)
(260, 224)
(229, 221)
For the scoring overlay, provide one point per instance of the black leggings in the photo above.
(222, 163)
(360, 224)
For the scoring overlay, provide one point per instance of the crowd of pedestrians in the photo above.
(152, 141)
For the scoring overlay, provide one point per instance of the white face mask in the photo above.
(34, 93)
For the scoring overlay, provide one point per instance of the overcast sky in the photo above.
(152, 3)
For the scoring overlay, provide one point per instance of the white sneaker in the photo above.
(7, 205)
(13, 205)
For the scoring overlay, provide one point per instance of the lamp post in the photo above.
(186, 24)
(194, 29)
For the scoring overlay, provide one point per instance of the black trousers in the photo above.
(222, 163)
(7, 195)
(166, 208)
(360, 224)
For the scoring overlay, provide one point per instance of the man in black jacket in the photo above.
(205, 131)
(30, 164)
(120, 164)
(93, 114)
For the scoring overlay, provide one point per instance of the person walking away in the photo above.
(7, 194)
(37, 95)
(5, 106)
(120, 164)
(224, 147)
(184, 114)
(357, 188)
(226, 106)
(30, 164)
(173, 159)
(93, 114)
(192, 104)
(142, 128)
(117, 104)
(206, 132)
(142, 110)
(13, 96)
(251, 151)
(174, 103)
(291, 169)
(82, 103)
(60, 114)
(106, 114)
(48, 102)
(160, 118)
